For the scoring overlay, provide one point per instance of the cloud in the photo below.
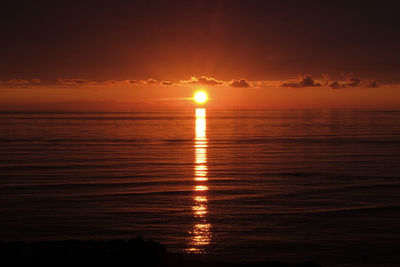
(113, 82)
(239, 83)
(167, 83)
(209, 81)
(371, 84)
(304, 81)
(76, 81)
(204, 80)
(335, 85)
(20, 82)
(151, 81)
(84, 82)
(17, 82)
(120, 83)
(131, 81)
(349, 80)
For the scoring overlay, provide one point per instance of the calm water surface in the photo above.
(292, 185)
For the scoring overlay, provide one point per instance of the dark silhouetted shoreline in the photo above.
(137, 252)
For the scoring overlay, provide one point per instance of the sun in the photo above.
(200, 97)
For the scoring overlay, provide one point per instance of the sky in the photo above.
(146, 55)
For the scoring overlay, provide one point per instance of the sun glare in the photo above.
(200, 97)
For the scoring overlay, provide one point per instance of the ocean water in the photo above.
(294, 185)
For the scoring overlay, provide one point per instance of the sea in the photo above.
(232, 185)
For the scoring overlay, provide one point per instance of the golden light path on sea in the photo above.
(200, 235)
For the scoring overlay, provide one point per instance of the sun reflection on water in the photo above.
(201, 232)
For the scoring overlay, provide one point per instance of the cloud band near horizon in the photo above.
(348, 80)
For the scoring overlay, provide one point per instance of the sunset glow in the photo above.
(231, 61)
(240, 131)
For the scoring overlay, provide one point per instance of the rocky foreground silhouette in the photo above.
(136, 252)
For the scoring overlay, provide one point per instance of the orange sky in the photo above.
(144, 95)
(153, 54)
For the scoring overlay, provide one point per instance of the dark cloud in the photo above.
(113, 82)
(75, 81)
(348, 81)
(167, 83)
(335, 85)
(305, 81)
(351, 81)
(20, 82)
(239, 83)
(128, 82)
(371, 84)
